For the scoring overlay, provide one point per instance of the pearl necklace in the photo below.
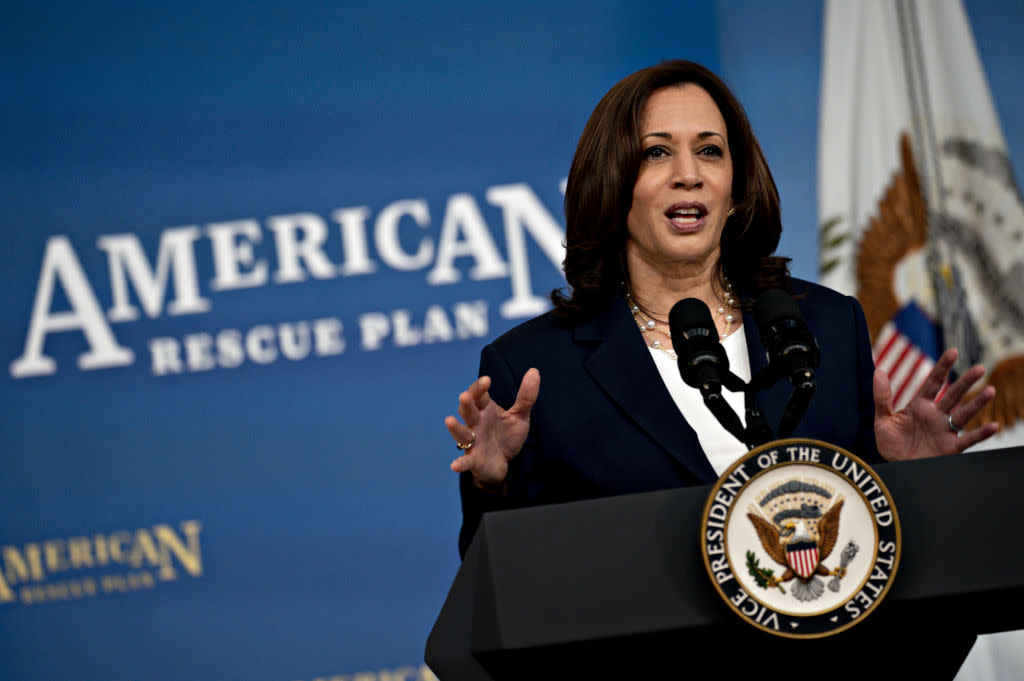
(649, 325)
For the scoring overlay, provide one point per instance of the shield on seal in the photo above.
(803, 557)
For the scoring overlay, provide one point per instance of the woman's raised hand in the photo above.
(488, 435)
(926, 426)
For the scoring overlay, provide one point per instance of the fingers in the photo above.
(963, 414)
(970, 438)
(468, 411)
(461, 434)
(937, 376)
(960, 388)
(478, 391)
(527, 395)
(471, 402)
(881, 390)
(474, 400)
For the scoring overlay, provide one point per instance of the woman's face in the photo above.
(683, 191)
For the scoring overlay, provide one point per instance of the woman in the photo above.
(669, 197)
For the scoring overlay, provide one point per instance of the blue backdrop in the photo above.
(250, 255)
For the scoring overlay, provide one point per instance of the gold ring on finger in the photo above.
(465, 446)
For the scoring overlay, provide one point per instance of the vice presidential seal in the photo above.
(800, 538)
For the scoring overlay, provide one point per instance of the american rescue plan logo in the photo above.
(801, 538)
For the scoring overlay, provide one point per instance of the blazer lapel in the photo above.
(621, 364)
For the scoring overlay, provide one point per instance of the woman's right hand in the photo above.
(496, 435)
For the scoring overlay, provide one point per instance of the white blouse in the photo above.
(720, 446)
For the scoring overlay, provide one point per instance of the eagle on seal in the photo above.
(799, 539)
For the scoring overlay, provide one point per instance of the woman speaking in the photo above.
(669, 197)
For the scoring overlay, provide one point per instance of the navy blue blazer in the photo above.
(604, 422)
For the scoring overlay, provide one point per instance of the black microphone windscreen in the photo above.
(688, 315)
(790, 345)
(774, 305)
(701, 357)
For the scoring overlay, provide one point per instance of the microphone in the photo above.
(703, 363)
(702, 359)
(792, 351)
(791, 347)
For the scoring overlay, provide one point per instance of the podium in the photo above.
(615, 588)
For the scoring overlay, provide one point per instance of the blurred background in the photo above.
(250, 254)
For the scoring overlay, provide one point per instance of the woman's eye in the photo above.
(710, 150)
(655, 152)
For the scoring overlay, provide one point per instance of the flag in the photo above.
(921, 218)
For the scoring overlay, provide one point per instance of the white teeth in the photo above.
(685, 215)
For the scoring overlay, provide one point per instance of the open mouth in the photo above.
(685, 215)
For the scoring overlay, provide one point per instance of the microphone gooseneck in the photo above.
(792, 351)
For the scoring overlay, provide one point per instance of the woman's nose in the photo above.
(686, 172)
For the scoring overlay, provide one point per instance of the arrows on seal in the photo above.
(844, 559)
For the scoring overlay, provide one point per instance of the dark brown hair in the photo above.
(599, 192)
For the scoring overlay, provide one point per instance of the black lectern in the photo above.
(615, 588)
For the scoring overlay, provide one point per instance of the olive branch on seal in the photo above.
(763, 576)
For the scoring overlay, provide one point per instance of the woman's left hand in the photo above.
(923, 428)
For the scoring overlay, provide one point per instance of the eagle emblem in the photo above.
(828, 532)
(797, 522)
(909, 327)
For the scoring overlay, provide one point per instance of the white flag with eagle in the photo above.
(921, 217)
